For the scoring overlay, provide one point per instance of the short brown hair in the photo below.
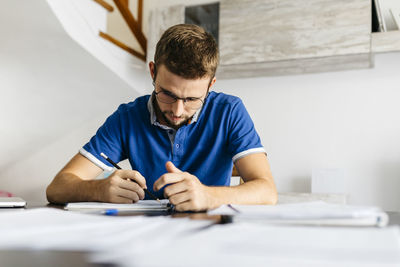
(188, 51)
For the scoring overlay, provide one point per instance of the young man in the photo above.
(181, 141)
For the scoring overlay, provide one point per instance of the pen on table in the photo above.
(236, 210)
(110, 212)
(102, 212)
(118, 167)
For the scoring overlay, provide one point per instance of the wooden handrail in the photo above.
(122, 45)
(132, 24)
(140, 14)
(105, 5)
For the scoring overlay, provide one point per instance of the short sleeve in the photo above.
(107, 140)
(243, 137)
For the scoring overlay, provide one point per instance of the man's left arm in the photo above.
(186, 192)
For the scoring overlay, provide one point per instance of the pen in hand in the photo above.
(119, 168)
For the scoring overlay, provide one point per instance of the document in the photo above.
(141, 205)
(308, 213)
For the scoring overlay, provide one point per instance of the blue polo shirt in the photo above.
(218, 135)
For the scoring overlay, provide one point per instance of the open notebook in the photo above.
(141, 205)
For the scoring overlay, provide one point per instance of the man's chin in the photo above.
(175, 123)
(178, 123)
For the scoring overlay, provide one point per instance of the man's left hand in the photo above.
(184, 190)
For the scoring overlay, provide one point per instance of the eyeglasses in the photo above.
(169, 98)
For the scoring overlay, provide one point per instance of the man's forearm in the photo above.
(68, 187)
(257, 191)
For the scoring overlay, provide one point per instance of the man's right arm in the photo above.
(76, 183)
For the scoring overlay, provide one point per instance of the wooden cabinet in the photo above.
(273, 37)
(278, 37)
(255, 31)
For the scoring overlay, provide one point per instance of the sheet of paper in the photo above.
(143, 205)
(309, 212)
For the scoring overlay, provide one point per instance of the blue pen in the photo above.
(110, 212)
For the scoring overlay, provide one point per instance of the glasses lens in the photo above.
(161, 96)
(194, 104)
(191, 103)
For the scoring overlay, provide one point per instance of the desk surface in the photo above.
(236, 245)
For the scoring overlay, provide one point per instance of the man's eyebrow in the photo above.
(172, 94)
(165, 90)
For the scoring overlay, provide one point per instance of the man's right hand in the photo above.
(76, 182)
(122, 186)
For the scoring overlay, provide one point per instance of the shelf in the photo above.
(382, 42)
(255, 31)
(268, 38)
(296, 66)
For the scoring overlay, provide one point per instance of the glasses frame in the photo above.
(176, 98)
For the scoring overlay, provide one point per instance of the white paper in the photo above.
(308, 213)
(143, 205)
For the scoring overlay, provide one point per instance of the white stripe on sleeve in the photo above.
(248, 152)
(96, 161)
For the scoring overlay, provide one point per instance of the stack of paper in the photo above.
(141, 205)
(313, 213)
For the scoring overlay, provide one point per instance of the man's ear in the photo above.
(152, 68)
(213, 80)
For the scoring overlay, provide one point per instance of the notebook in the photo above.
(12, 202)
(141, 205)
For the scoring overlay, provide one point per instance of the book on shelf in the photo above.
(378, 20)
(396, 16)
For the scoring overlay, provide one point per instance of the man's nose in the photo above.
(178, 107)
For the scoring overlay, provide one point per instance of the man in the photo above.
(181, 141)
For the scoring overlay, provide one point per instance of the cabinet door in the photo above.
(255, 31)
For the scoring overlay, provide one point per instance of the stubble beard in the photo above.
(168, 122)
(173, 124)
